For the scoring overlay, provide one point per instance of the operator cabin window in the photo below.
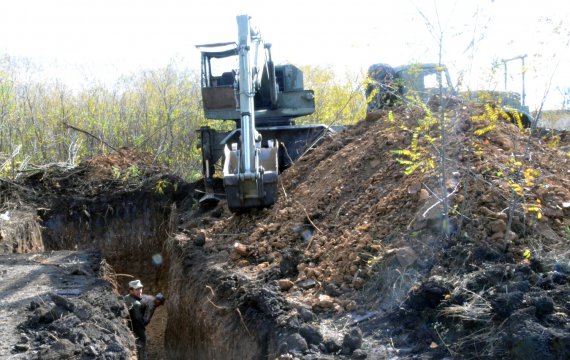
(221, 70)
(431, 82)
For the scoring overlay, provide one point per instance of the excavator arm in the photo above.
(250, 170)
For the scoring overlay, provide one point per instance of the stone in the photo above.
(357, 282)
(332, 345)
(285, 284)
(295, 342)
(24, 339)
(331, 289)
(359, 354)
(242, 263)
(21, 347)
(33, 305)
(289, 262)
(306, 314)
(414, 188)
(544, 305)
(352, 340)
(351, 305)
(91, 351)
(240, 249)
(325, 301)
(307, 284)
(63, 302)
(512, 236)
(310, 334)
(63, 349)
(498, 226)
(486, 211)
(200, 239)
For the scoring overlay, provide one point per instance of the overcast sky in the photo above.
(85, 39)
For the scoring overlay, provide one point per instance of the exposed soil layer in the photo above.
(120, 207)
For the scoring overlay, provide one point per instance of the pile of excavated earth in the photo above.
(355, 252)
(354, 261)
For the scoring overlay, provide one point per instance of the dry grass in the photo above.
(20, 232)
(476, 309)
(107, 273)
(485, 340)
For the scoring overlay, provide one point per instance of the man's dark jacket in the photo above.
(136, 311)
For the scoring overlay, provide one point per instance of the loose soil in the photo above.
(57, 305)
(355, 259)
(351, 261)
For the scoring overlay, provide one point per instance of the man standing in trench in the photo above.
(136, 312)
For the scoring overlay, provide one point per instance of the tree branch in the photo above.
(88, 133)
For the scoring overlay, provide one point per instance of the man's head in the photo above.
(159, 299)
(135, 288)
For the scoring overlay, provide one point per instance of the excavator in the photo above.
(241, 83)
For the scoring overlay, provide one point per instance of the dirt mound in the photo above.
(87, 195)
(352, 234)
(356, 259)
(117, 172)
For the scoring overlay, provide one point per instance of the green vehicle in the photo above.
(430, 82)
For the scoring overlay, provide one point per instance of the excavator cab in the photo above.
(219, 89)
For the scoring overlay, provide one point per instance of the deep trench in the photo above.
(135, 234)
(130, 231)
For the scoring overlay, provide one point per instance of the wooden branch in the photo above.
(88, 133)
(312, 223)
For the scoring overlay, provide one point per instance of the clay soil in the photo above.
(354, 261)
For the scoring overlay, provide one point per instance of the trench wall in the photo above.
(129, 230)
(208, 318)
(20, 232)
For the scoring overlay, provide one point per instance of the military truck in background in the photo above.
(431, 82)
